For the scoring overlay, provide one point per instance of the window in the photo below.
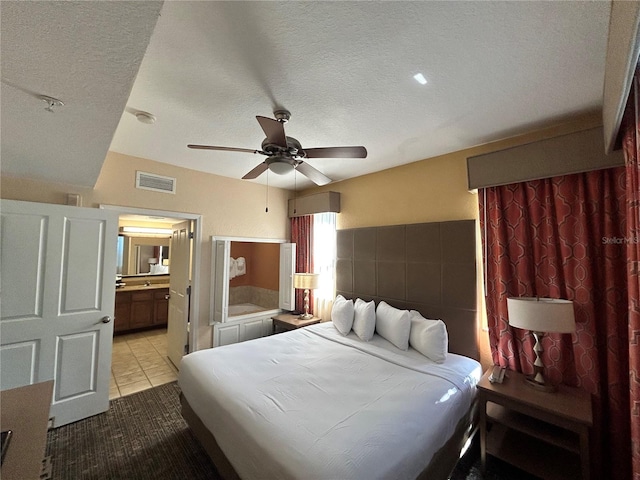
(324, 261)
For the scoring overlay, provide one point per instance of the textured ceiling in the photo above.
(343, 69)
(86, 54)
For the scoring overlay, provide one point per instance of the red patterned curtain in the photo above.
(563, 237)
(302, 236)
(630, 130)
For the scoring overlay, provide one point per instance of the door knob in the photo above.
(106, 319)
(167, 297)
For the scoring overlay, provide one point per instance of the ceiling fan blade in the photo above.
(312, 174)
(274, 130)
(255, 173)
(336, 152)
(226, 149)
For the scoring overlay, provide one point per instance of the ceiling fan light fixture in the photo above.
(280, 167)
(285, 154)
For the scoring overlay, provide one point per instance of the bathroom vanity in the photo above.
(141, 303)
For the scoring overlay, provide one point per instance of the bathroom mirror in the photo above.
(151, 259)
(143, 256)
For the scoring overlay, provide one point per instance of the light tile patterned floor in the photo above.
(139, 361)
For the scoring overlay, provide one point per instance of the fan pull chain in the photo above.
(295, 190)
(267, 201)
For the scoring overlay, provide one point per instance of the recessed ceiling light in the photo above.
(420, 79)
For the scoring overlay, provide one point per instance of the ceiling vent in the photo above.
(157, 183)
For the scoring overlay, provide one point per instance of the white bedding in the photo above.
(313, 404)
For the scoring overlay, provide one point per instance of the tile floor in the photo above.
(139, 361)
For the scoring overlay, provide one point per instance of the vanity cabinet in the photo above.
(141, 309)
(161, 306)
(122, 312)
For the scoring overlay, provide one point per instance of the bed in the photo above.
(315, 404)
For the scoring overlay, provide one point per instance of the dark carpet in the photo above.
(143, 436)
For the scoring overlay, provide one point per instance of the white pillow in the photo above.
(342, 314)
(364, 319)
(429, 337)
(393, 324)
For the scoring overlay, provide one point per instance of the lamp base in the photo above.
(305, 316)
(541, 387)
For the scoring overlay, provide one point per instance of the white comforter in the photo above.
(312, 404)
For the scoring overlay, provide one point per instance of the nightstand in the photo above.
(545, 434)
(287, 321)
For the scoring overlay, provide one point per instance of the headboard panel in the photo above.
(429, 267)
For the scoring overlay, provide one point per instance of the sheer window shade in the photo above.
(324, 260)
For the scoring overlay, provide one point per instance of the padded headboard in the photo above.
(429, 267)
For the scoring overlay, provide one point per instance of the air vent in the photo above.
(157, 183)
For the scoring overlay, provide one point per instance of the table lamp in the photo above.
(306, 281)
(541, 315)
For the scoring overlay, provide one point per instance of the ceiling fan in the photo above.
(284, 154)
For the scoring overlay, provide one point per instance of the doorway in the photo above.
(140, 359)
(139, 362)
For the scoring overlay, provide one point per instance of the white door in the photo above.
(220, 280)
(178, 292)
(287, 299)
(58, 286)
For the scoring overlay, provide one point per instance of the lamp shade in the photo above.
(152, 261)
(541, 314)
(306, 280)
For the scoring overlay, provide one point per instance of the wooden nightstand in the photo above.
(545, 434)
(287, 321)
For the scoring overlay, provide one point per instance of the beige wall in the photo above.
(432, 190)
(228, 207)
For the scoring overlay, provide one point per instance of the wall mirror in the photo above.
(143, 256)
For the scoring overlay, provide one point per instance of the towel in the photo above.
(241, 266)
(233, 268)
